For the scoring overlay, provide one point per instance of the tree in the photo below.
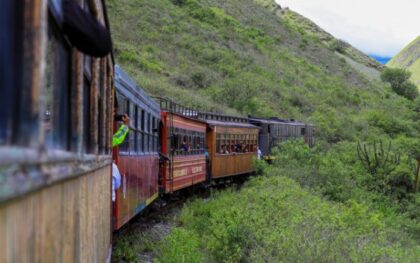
(400, 83)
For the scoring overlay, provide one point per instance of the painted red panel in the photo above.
(139, 186)
(185, 171)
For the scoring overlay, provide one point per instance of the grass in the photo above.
(250, 57)
(273, 219)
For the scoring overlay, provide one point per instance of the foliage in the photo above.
(272, 219)
(339, 46)
(180, 246)
(399, 80)
(375, 157)
(239, 57)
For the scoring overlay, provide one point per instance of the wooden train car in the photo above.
(137, 157)
(183, 143)
(274, 131)
(183, 147)
(232, 142)
(55, 132)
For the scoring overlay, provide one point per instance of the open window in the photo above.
(56, 114)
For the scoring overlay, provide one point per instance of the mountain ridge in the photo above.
(249, 57)
(409, 58)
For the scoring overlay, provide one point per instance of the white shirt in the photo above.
(116, 180)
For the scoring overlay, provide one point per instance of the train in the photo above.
(61, 92)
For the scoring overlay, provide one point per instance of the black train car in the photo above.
(274, 131)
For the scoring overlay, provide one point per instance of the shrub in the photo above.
(180, 246)
(339, 46)
(272, 219)
(399, 80)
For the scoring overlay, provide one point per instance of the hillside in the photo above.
(240, 56)
(253, 57)
(409, 58)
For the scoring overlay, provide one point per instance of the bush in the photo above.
(272, 219)
(399, 80)
(180, 246)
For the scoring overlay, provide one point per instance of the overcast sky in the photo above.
(379, 27)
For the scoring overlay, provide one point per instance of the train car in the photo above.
(137, 157)
(183, 147)
(274, 131)
(232, 143)
(55, 131)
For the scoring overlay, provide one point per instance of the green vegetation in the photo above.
(399, 80)
(250, 57)
(273, 219)
(409, 59)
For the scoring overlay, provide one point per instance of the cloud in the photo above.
(373, 26)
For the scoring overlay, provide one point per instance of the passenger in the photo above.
(238, 147)
(117, 139)
(122, 132)
(116, 180)
(259, 154)
(224, 150)
(184, 147)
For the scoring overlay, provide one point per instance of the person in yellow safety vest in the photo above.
(117, 139)
(122, 132)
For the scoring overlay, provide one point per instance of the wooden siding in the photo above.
(223, 165)
(232, 164)
(66, 222)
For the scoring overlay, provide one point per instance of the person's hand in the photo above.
(126, 119)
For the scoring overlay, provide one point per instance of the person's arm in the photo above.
(122, 132)
(120, 135)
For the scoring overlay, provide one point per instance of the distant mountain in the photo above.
(409, 58)
(382, 60)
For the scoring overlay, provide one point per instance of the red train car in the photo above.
(183, 144)
(137, 157)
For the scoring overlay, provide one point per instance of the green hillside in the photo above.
(252, 57)
(409, 58)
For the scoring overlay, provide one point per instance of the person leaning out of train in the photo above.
(122, 132)
(117, 139)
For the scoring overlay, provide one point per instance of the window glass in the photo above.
(11, 26)
(132, 134)
(56, 117)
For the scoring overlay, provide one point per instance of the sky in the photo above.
(377, 27)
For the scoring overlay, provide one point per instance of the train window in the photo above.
(132, 134)
(11, 27)
(138, 130)
(302, 131)
(142, 120)
(56, 118)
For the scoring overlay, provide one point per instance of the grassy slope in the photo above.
(245, 56)
(409, 58)
(238, 56)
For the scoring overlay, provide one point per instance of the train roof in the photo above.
(275, 120)
(231, 124)
(129, 88)
(192, 118)
(222, 117)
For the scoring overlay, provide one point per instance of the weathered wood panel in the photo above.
(223, 165)
(66, 222)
